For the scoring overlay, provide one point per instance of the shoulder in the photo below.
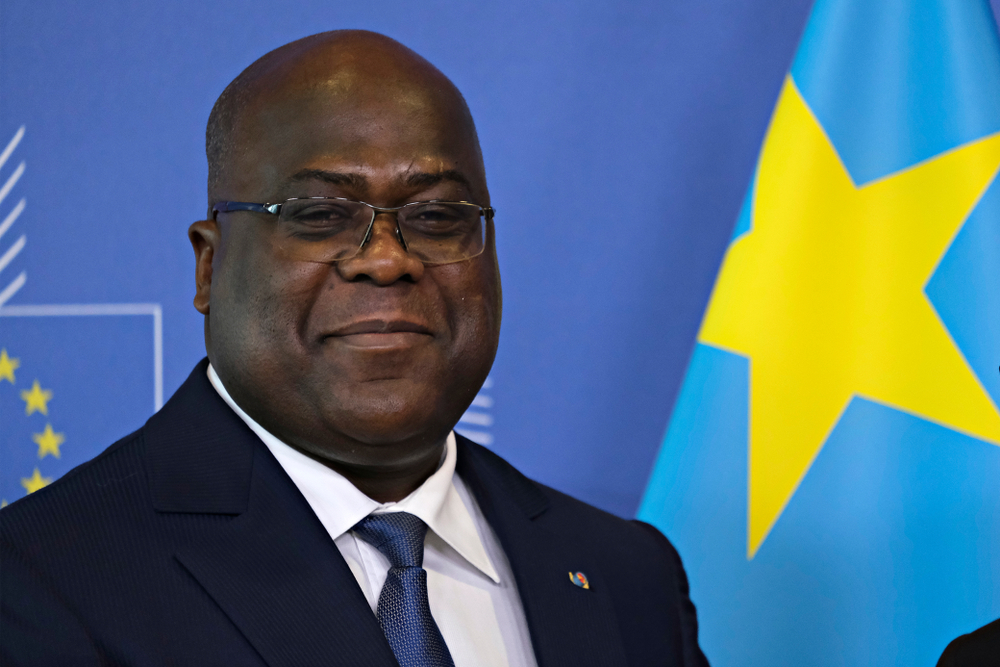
(633, 548)
(635, 566)
(94, 494)
(980, 648)
(536, 498)
(630, 536)
(635, 554)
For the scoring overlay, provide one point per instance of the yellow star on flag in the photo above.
(35, 482)
(36, 399)
(48, 441)
(7, 366)
(825, 295)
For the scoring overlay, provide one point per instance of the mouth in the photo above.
(378, 334)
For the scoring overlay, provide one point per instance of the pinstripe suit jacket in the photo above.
(185, 543)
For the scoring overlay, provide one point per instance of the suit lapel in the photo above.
(569, 625)
(263, 557)
(269, 564)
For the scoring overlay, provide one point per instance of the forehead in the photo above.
(377, 125)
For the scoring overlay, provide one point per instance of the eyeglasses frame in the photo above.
(275, 209)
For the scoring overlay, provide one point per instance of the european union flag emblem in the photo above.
(830, 470)
(73, 379)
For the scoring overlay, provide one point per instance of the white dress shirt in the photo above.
(470, 586)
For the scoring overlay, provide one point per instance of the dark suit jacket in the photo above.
(980, 648)
(186, 543)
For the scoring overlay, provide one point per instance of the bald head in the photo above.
(356, 76)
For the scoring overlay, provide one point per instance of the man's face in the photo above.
(369, 361)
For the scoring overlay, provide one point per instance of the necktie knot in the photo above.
(398, 535)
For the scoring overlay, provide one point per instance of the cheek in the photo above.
(262, 304)
(472, 294)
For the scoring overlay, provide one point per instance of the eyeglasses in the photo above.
(331, 229)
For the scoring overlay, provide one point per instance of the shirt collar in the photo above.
(339, 505)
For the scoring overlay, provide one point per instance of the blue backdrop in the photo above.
(619, 140)
(653, 111)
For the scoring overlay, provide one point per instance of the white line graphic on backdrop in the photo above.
(66, 310)
(79, 309)
(11, 253)
(479, 418)
(8, 255)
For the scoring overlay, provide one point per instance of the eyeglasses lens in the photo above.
(441, 232)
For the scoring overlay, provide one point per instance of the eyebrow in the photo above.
(358, 181)
(331, 177)
(423, 179)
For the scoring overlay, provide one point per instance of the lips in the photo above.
(381, 327)
(381, 334)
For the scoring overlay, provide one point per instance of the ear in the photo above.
(206, 238)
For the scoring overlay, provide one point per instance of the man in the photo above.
(302, 498)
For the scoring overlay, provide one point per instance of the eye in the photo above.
(442, 219)
(320, 214)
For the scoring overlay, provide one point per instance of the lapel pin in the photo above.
(579, 579)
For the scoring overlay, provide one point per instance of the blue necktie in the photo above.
(403, 611)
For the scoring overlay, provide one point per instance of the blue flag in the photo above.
(73, 379)
(830, 469)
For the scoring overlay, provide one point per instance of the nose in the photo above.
(383, 260)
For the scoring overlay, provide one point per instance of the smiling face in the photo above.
(366, 363)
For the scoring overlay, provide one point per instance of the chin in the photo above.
(376, 414)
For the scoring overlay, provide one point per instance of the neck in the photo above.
(382, 482)
(383, 472)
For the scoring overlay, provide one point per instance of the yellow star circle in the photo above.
(36, 399)
(35, 482)
(7, 366)
(48, 441)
